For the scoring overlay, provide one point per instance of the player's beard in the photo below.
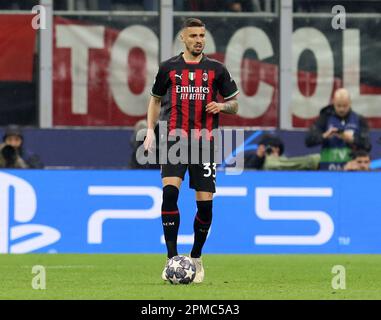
(195, 53)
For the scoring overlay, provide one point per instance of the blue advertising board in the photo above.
(88, 211)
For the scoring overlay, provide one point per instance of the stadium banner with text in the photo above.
(18, 70)
(104, 66)
(327, 59)
(255, 212)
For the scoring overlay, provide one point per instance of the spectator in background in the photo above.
(198, 5)
(269, 156)
(340, 131)
(18, 4)
(12, 153)
(151, 5)
(360, 161)
(217, 5)
(239, 5)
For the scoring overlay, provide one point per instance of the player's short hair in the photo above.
(192, 22)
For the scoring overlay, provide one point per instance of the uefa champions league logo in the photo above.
(21, 205)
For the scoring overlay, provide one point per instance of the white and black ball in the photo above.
(180, 270)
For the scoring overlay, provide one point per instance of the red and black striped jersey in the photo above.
(189, 87)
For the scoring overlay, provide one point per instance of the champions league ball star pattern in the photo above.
(180, 270)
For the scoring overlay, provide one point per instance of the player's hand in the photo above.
(330, 132)
(351, 166)
(149, 140)
(214, 107)
(347, 136)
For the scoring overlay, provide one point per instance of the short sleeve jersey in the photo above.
(189, 87)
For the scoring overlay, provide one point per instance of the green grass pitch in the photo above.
(127, 276)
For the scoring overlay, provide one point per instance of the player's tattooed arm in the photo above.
(230, 107)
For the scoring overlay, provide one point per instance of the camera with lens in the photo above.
(268, 149)
(9, 154)
(271, 141)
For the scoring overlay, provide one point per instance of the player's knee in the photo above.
(170, 194)
(205, 211)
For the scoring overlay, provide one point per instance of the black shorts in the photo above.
(202, 177)
(202, 170)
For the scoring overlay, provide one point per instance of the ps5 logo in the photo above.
(263, 211)
(18, 201)
(98, 218)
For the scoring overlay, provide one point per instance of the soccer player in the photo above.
(191, 81)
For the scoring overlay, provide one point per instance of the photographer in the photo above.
(269, 156)
(340, 131)
(12, 153)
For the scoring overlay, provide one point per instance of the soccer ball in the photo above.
(180, 270)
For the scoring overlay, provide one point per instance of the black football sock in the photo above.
(170, 218)
(201, 226)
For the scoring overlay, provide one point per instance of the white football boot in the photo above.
(200, 274)
(163, 273)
